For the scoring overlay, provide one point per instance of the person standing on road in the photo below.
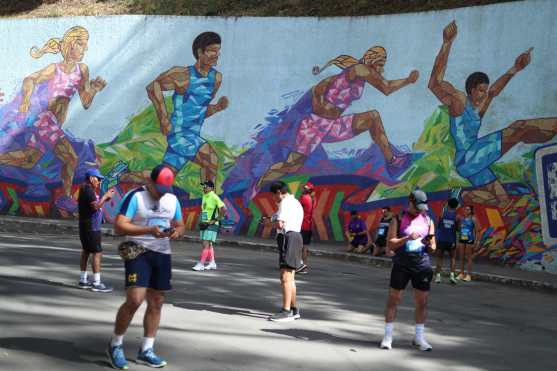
(468, 240)
(412, 238)
(90, 221)
(288, 221)
(212, 209)
(149, 216)
(309, 204)
(446, 239)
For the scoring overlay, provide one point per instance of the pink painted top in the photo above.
(64, 84)
(342, 92)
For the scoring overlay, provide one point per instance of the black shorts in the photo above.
(445, 246)
(90, 241)
(381, 242)
(467, 242)
(421, 279)
(151, 269)
(306, 237)
(290, 250)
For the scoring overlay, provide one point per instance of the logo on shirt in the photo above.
(132, 277)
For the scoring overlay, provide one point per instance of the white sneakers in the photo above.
(421, 344)
(200, 267)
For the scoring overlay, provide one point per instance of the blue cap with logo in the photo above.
(93, 172)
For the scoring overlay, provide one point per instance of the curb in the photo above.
(18, 225)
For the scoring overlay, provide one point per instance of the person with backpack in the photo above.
(446, 239)
(412, 238)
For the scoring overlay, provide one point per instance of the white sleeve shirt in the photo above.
(291, 213)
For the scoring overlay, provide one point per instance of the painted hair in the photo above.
(372, 55)
(279, 186)
(55, 45)
(471, 208)
(476, 79)
(203, 40)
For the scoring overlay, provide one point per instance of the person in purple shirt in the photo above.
(356, 233)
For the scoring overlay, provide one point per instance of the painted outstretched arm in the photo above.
(497, 87)
(387, 87)
(88, 89)
(443, 90)
(31, 81)
(222, 103)
(176, 78)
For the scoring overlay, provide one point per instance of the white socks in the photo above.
(97, 277)
(147, 343)
(420, 329)
(83, 276)
(116, 340)
(389, 330)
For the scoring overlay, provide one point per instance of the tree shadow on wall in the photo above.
(12, 7)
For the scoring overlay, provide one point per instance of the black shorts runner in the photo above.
(290, 250)
(90, 241)
(445, 246)
(421, 279)
(306, 237)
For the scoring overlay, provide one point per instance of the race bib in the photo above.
(162, 223)
(414, 246)
(381, 231)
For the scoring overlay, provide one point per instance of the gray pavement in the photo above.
(484, 270)
(216, 320)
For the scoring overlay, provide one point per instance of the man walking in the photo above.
(308, 204)
(90, 221)
(288, 222)
(149, 216)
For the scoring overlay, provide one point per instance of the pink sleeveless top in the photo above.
(64, 84)
(342, 92)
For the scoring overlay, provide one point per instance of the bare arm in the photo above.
(31, 81)
(107, 196)
(497, 87)
(443, 90)
(393, 241)
(179, 229)
(176, 78)
(124, 226)
(374, 78)
(222, 103)
(88, 89)
(432, 241)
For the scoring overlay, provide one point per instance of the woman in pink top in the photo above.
(38, 112)
(412, 238)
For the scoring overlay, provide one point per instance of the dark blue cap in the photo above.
(93, 172)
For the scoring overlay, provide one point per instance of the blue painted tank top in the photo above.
(464, 129)
(190, 108)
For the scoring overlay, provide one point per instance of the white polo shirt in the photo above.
(143, 209)
(291, 213)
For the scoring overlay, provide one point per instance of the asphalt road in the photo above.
(217, 320)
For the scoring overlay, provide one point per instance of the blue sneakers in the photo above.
(116, 357)
(149, 358)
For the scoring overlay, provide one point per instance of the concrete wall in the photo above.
(278, 124)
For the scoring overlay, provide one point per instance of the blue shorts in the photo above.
(473, 163)
(182, 148)
(151, 269)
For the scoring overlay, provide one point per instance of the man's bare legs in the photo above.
(288, 287)
(135, 296)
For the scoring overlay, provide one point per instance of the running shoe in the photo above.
(386, 343)
(85, 284)
(422, 345)
(149, 358)
(101, 287)
(296, 313)
(467, 278)
(211, 265)
(198, 267)
(302, 269)
(116, 357)
(461, 276)
(438, 278)
(282, 316)
(452, 278)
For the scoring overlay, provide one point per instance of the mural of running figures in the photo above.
(367, 109)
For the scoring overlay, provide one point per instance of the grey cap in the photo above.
(419, 199)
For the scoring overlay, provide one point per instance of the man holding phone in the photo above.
(412, 238)
(149, 216)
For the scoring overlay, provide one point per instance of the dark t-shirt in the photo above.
(89, 218)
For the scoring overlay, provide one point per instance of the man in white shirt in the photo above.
(149, 216)
(288, 222)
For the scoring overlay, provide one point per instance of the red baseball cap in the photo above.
(309, 186)
(163, 178)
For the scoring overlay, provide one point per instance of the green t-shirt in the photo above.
(210, 203)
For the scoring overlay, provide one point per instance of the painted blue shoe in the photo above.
(116, 357)
(149, 358)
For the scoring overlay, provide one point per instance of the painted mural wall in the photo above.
(459, 103)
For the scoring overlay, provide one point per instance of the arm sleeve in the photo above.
(178, 213)
(129, 206)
